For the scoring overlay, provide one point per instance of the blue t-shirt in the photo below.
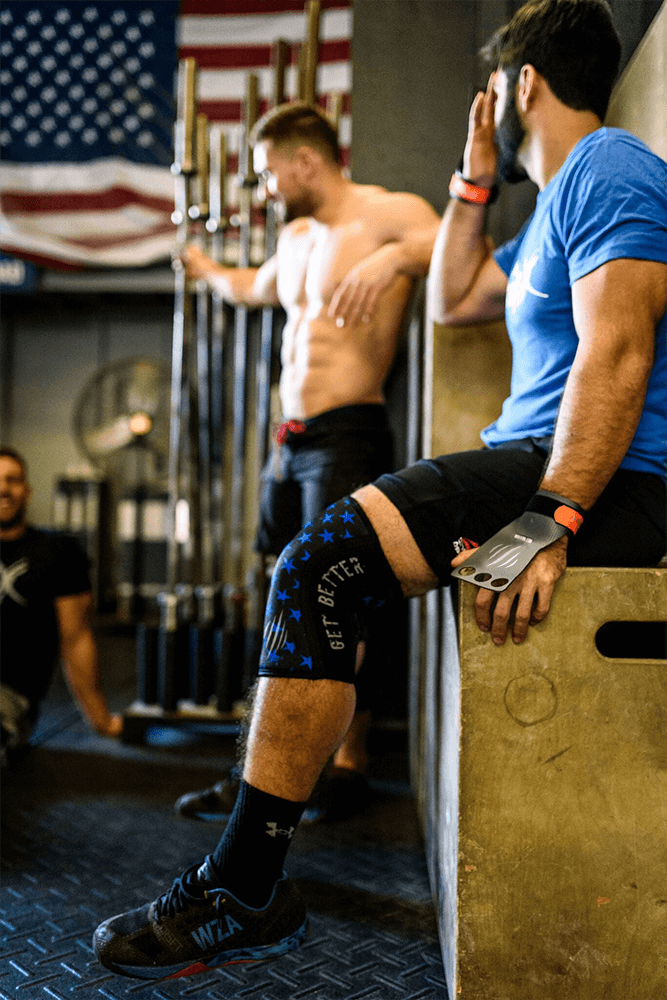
(608, 200)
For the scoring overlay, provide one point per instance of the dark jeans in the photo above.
(338, 452)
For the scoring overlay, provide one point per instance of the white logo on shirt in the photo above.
(520, 283)
(8, 577)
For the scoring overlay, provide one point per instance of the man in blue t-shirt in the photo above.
(608, 201)
(575, 462)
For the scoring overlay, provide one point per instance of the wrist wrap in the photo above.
(499, 561)
(563, 511)
(464, 190)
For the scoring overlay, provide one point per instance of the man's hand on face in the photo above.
(531, 592)
(480, 157)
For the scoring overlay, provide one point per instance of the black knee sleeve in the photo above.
(326, 582)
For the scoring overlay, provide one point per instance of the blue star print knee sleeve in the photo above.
(327, 580)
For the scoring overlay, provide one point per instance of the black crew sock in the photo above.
(250, 854)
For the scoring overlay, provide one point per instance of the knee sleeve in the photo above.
(326, 583)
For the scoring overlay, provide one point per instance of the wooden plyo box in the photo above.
(542, 782)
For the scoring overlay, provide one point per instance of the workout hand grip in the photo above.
(498, 562)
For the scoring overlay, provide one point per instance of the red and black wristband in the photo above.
(464, 190)
(565, 512)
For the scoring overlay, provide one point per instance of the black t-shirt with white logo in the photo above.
(34, 570)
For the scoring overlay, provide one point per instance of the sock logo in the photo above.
(274, 831)
(211, 933)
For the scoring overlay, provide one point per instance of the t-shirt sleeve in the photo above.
(506, 253)
(73, 576)
(618, 208)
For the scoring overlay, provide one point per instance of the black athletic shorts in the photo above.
(338, 452)
(471, 495)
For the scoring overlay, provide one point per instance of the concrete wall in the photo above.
(639, 102)
(416, 71)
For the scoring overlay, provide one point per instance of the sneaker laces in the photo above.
(180, 894)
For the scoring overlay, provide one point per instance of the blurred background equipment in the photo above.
(121, 426)
(198, 657)
(121, 421)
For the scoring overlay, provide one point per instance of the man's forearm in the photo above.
(599, 413)
(461, 248)
(250, 286)
(413, 254)
(234, 285)
(81, 667)
(616, 309)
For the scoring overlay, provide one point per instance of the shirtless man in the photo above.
(344, 272)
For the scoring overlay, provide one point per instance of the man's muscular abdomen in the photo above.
(325, 366)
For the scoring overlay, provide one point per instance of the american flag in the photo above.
(87, 109)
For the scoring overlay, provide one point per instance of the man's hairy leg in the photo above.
(340, 568)
(304, 703)
(296, 723)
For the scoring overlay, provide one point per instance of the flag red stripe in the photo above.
(25, 203)
(101, 242)
(41, 259)
(243, 56)
(231, 111)
(347, 102)
(220, 8)
(226, 111)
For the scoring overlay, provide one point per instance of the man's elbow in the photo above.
(436, 304)
(440, 307)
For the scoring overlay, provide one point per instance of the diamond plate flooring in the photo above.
(89, 830)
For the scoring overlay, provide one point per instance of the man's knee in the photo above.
(327, 579)
(401, 550)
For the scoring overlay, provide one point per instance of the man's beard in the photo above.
(301, 206)
(510, 133)
(14, 520)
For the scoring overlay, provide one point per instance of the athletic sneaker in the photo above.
(339, 794)
(219, 799)
(193, 929)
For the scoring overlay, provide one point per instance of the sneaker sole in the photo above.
(239, 956)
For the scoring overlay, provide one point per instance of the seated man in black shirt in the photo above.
(45, 604)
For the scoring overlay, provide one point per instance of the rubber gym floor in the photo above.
(88, 830)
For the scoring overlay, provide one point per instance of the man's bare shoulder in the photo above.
(380, 197)
(295, 232)
(394, 205)
(298, 227)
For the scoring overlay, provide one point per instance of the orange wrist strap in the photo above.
(465, 191)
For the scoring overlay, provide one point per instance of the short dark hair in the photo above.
(6, 452)
(573, 44)
(296, 124)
